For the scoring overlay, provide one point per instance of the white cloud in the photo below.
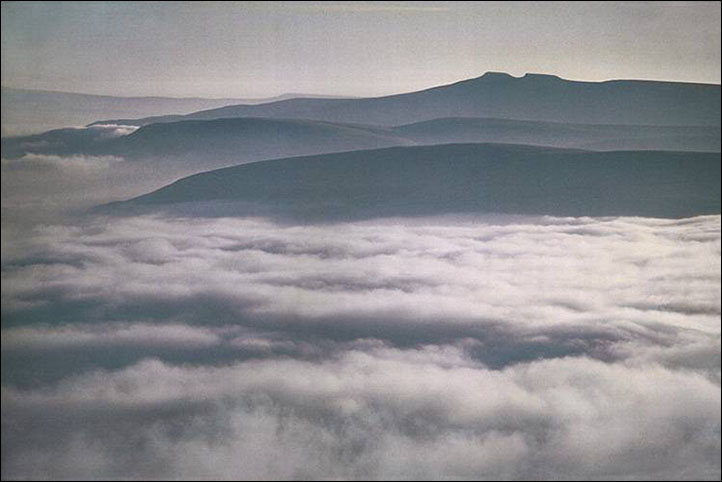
(43, 162)
(50, 189)
(501, 347)
(113, 130)
(605, 275)
(381, 413)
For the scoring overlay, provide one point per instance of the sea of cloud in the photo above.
(448, 347)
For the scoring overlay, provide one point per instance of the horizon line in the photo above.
(298, 94)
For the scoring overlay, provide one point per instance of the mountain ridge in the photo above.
(531, 97)
(28, 111)
(241, 139)
(450, 179)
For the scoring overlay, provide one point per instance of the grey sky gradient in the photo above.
(256, 49)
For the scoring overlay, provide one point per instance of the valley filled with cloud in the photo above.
(453, 346)
(361, 241)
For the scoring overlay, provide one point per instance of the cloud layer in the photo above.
(497, 347)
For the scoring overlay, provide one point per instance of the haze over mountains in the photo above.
(207, 143)
(499, 95)
(32, 111)
(455, 178)
(655, 169)
(619, 115)
(484, 276)
(454, 297)
(222, 142)
(600, 137)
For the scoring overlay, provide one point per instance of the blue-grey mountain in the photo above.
(31, 111)
(499, 95)
(223, 142)
(452, 178)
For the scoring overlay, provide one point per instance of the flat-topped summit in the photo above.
(533, 76)
(536, 97)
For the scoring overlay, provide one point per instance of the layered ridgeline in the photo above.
(616, 115)
(554, 134)
(220, 142)
(499, 95)
(32, 111)
(452, 178)
(206, 143)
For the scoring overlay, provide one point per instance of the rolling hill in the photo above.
(221, 142)
(452, 178)
(554, 134)
(207, 144)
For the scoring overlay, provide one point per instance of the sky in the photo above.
(261, 49)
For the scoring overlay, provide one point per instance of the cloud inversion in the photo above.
(496, 347)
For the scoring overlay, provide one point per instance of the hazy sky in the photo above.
(256, 49)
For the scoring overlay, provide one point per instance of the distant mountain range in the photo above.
(222, 142)
(536, 144)
(554, 134)
(32, 111)
(453, 178)
(208, 144)
(499, 95)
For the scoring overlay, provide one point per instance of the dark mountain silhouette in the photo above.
(208, 144)
(452, 178)
(246, 139)
(499, 95)
(220, 142)
(553, 134)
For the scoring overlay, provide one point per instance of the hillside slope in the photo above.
(453, 178)
(499, 95)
